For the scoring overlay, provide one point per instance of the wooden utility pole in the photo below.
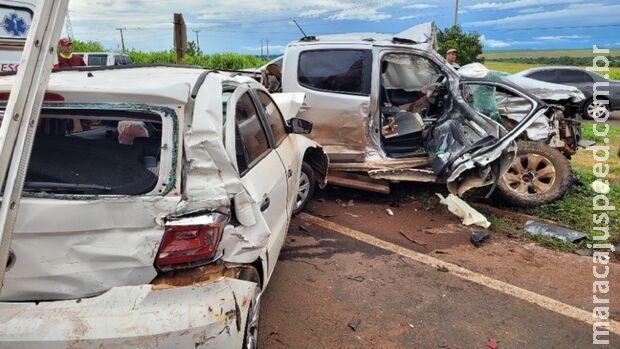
(456, 13)
(122, 39)
(180, 37)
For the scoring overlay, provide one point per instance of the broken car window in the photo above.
(114, 153)
(346, 71)
(497, 103)
(274, 117)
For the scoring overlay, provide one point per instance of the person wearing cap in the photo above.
(451, 58)
(66, 58)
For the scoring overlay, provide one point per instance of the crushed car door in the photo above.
(472, 149)
(262, 173)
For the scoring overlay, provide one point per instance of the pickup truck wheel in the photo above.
(250, 339)
(592, 109)
(306, 187)
(538, 175)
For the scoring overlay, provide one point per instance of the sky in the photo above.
(242, 25)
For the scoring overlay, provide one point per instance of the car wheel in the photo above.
(592, 109)
(250, 339)
(306, 187)
(539, 175)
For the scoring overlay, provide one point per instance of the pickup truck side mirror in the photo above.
(299, 126)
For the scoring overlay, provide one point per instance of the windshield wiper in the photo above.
(67, 186)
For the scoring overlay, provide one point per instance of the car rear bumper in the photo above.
(209, 315)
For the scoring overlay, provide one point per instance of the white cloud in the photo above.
(420, 6)
(562, 37)
(575, 14)
(361, 14)
(490, 43)
(518, 4)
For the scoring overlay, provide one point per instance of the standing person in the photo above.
(451, 56)
(66, 58)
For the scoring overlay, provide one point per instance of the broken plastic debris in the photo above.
(479, 237)
(600, 187)
(354, 324)
(461, 209)
(552, 231)
(390, 212)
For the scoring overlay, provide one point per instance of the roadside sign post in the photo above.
(22, 113)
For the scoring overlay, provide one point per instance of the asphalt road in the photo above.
(331, 290)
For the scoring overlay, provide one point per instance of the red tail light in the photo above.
(190, 241)
(48, 97)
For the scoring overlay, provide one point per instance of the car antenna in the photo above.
(306, 37)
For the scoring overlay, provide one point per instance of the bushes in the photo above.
(228, 61)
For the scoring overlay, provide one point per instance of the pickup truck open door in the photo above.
(22, 113)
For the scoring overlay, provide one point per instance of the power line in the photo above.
(197, 39)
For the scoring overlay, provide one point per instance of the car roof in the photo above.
(157, 84)
(538, 69)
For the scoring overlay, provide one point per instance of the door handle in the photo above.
(290, 173)
(265, 205)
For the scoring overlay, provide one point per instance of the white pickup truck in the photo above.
(389, 108)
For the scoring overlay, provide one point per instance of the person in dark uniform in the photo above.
(66, 58)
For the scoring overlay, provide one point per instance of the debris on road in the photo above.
(356, 278)
(492, 344)
(552, 231)
(442, 269)
(412, 239)
(585, 252)
(352, 215)
(354, 324)
(479, 237)
(461, 209)
(389, 212)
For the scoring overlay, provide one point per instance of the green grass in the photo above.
(587, 132)
(229, 61)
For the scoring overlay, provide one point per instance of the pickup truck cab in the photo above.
(388, 107)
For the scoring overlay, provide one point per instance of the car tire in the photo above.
(539, 175)
(307, 183)
(589, 110)
(250, 337)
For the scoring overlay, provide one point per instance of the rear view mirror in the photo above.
(299, 126)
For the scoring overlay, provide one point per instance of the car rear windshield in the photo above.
(95, 153)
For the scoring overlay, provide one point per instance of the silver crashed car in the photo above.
(155, 205)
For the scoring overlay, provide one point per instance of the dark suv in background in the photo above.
(583, 80)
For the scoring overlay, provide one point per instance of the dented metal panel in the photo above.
(201, 315)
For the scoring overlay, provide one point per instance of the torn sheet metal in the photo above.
(461, 209)
(424, 33)
(553, 231)
(542, 90)
(207, 316)
(289, 103)
(66, 249)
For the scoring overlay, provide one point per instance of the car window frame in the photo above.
(554, 72)
(588, 78)
(274, 142)
(366, 74)
(266, 131)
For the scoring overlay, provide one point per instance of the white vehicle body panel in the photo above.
(16, 17)
(70, 247)
(143, 316)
